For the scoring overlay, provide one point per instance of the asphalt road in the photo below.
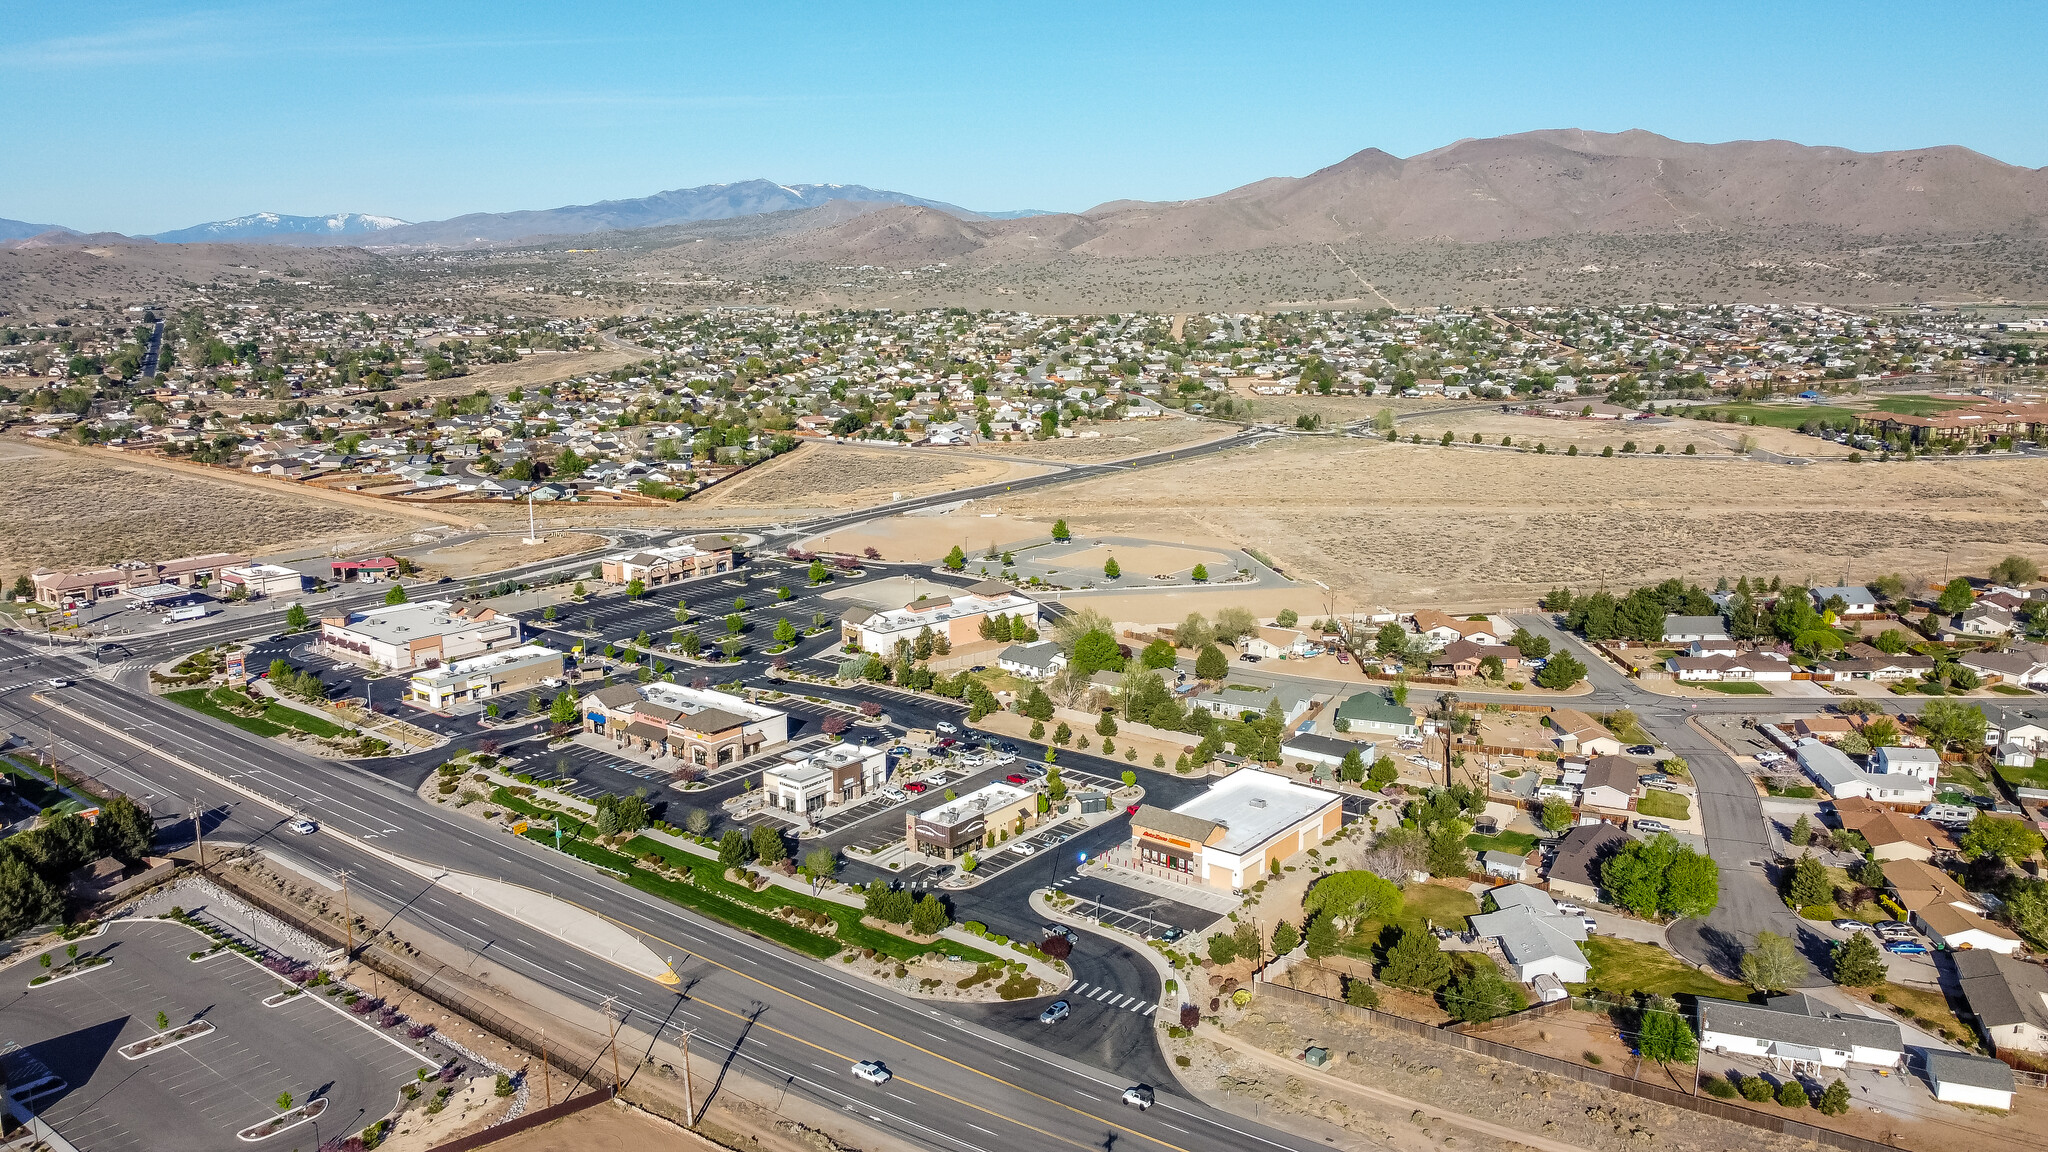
(964, 1080)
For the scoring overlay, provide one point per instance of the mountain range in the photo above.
(1503, 189)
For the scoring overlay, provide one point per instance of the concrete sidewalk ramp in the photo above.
(564, 921)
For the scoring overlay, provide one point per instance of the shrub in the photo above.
(1719, 1088)
(1755, 1090)
(1792, 1094)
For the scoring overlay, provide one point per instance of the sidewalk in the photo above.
(1193, 895)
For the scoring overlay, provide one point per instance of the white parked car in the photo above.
(1652, 826)
(946, 727)
(872, 1072)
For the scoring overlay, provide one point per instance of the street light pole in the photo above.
(689, 1084)
(348, 920)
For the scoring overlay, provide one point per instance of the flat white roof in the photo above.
(975, 803)
(690, 701)
(402, 623)
(1254, 806)
(524, 654)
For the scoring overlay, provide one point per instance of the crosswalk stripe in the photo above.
(1151, 1009)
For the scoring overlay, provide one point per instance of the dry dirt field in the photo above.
(1119, 439)
(65, 509)
(931, 537)
(494, 552)
(1592, 435)
(827, 476)
(1402, 524)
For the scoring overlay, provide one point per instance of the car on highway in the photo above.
(1652, 826)
(1018, 778)
(1848, 925)
(915, 786)
(1138, 1096)
(1905, 947)
(1642, 750)
(1055, 1012)
(946, 728)
(872, 1072)
(303, 827)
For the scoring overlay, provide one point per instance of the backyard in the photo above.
(1621, 967)
(1665, 805)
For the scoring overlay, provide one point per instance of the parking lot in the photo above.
(197, 1095)
(1132, 910)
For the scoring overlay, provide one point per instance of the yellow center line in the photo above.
(900, 1040)
(990, 1112)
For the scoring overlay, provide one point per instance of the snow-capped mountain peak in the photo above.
(263, 225)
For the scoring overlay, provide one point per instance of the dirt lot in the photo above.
(1590, 436)
(930, 537)
(491, 553)
(1407, 1092)
(601, 1126)
(1401, 524)
(65, 509)
(1117, 440)
(826, 476)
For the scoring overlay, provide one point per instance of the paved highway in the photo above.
(962, 1082)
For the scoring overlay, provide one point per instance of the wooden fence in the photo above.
(534, 1119)
(1613, 1082)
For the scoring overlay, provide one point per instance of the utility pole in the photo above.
(547, 1081)
(348, 920)
(690, 1085)
(199, 831)
(612, 1020)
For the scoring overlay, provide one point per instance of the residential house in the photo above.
(1985, 620)
(1892, 834)
(1464, 658)
(1960, 1078)
(1535, 937)
(1754, 666)
(1960, 926)
(1916, 884)
(1273, 643)
(2009, 998)
(1832, 769)
(1685, 629)
(1230, 701)
(1371, 710)
(1506, 865)
(1611, 783)
(1798, 1034)
(1575, 870)
(2010, 667)
(1857, 601)
(1327, 751)
(1923, 764)
(1034, 661)
(1441, 628)
(1575, 732)
(1866, 663)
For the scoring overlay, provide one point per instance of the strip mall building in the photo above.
(1237, 832)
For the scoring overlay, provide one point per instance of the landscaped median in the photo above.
(699, 883)
(264, 718)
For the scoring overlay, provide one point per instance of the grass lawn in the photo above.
(1929, 1008)
(275, 720)
(2010, 690)
(1914, 405)
(1738, 688)
(1444, 907)
(1779, 416)
(1796, 792)
(1520, 843)
(1664, 805)
(1624, 966)
(2035, 777)
(711, 894)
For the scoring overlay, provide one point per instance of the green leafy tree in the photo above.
(1446, 855)
(930, 917)
(1158, 654)
(284, 1101)
(1952, 723)
(1666, 1038)
(1285, 938)
(563, 709)
(295, 618)
(1955, 596)
(1382, 774)
(1793, 1094)
(2005, 838)
(636, 588)
(768, 846)
(1354, 895)
(1322, 938)
(956, 559)
(1857, 962)
(1772, 964)
(1200, 574)
(1360, 993)
(26, 899)
(1560, 672)
(733, 848)
(1222, 948)
(1481, 993)
(1210, 663)
(395, 596)
(1808, 885)
(1802, 832)
(1352, 769)
(2015, 571)
(1835, 1100)
(818, 574)
(1096, 651)
(785, 632)
(1037, 705)
(1106, 726)
(1062, 735)
(1111, 569)
(1060, 531)
(1415, 961)
(1557, 815)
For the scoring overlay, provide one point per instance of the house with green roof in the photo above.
(1374, 711)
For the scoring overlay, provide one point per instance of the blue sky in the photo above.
(144, 117)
